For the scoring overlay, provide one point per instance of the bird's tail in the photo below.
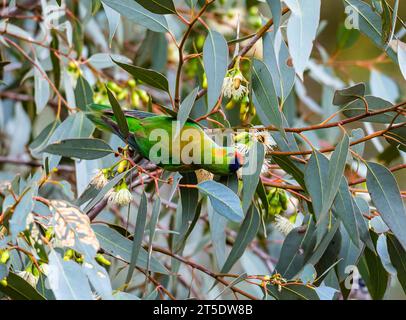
(103, 117)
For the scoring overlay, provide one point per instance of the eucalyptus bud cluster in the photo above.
(129, 94)
(277, 201)
(71, 254)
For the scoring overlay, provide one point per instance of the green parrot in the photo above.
(156, 138)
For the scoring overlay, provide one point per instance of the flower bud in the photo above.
(49, 233)
(122, 95)
(135, 99)
(275, 200)
(113, 87)
(5, 256)
(68, 255)
(80, 259)
(283, 199)
(3, 282)
(100, 179)
(122, 166)
(102, 260)
(143, 95)
(204, 84)
(132, 83)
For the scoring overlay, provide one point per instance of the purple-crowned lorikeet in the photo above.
(156, 138)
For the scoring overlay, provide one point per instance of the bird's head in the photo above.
(238, 161)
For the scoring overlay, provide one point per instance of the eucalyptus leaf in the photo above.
(370, 24)
(19, 289)
(251, 173)
(87, 149)
(246, 234)
(118, 113)
(158, 6)
(302, 30)
(215, 58)
(296, 250)
(67, 280)
(373, 273)
(186, 107)
(385, 194)
(138, 235)
(138, 14)
(397, 255)
(265, 94)
(150, 77)
(358, 107)
(224, 201)
(41, 88)
(350, 94)
(83, 93)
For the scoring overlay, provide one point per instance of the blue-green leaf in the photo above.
(158, 6)
(370, 24)
(385, 195)
(296, 251)
(251, 172)
(316, 180)
(350, 94)
(186, 107)
(276, 55)
(148, 76)
(75, 126)
(402, 57)
(335, 173)
(67, 279)
(276, 10)
(246, 234)
(292, 292)
(88, 149)
(41, 88)
(397, 255)
(138, 14)
(118, 113)
(302, 30)
(345, 210)
(113, 19)
(373, 273)
(24, 207)
(215, 58)
(265, 94)
(19, 289)
(83, 93)
(224, 201)
(138, 235)
(357, 108)
(189, 198)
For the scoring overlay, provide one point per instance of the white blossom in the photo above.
(233, 87)
(121, 197)
(99, 180)
(283, 225)
(203, 175)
